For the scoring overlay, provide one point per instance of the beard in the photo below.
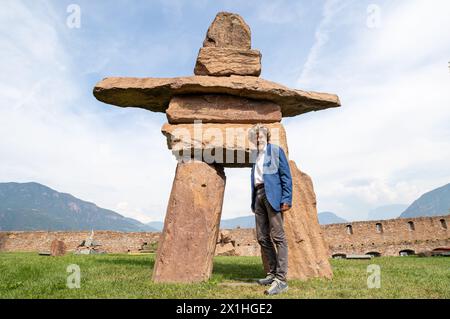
(261, 145)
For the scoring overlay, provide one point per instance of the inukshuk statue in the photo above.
(210, 116)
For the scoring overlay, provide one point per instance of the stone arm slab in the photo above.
(154, 94)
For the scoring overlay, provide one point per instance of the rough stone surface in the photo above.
(308, 250)
(228, 30)
(57, 248)
(225, 249)
(213, 108)
(230, 145)
(228, 61)
(187, 244)
(225, 237)
(154, 94)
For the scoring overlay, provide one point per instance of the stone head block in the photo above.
(228, 30)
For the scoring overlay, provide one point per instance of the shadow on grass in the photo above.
(237, 271)
(225, 268)
(126, 261)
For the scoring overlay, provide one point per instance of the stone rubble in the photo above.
(57, 248)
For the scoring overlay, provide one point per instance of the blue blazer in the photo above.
(277, 178)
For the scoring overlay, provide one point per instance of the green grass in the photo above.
(27, 275)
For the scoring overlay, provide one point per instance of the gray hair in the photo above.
(260, 128)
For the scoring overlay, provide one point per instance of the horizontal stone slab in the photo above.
(231, 145)
(228, 61)
(216, 108)
(154, 94)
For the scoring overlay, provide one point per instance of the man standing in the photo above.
(271, 184)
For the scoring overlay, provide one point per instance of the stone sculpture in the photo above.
(210, 116)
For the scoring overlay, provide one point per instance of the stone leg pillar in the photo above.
(187, 244)
(308, 250)
(308, 255)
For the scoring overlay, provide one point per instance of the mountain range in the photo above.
(386, 212)
(249, 221)
(433, 203)
(326, 218)
(33, 206)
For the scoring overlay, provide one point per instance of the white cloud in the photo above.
(392, 128)
(330, 9)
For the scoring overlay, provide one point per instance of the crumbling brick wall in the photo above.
(384, 237)
(388, 237)
(393, 236)
(111, 241)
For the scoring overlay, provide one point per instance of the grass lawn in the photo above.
(27, 275)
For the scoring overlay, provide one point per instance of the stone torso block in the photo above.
(230, 145)
(217, 108)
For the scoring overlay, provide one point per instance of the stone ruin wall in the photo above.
(111, 241)
(396, 235)
(238, 242)
(428, 234)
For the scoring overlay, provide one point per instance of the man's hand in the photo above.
(284, 207)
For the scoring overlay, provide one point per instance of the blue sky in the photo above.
(387, 61)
